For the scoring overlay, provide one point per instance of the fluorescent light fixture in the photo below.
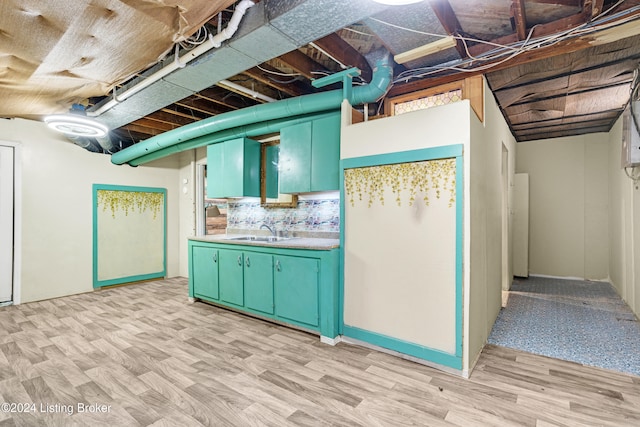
(428, 49)
(397, 2)
(71, 124)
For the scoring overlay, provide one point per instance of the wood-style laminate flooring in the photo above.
(146, 356)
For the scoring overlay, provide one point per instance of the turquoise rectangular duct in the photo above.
(232, 122)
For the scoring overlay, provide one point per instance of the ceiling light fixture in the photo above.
(72, 124)
(428, 49)
(397, 2)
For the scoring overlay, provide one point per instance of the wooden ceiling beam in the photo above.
(339, 49)
(520, 18)
(560, 48)
(171, 118)
(217, 96)
(569, 3)
(148, 123)
(291, 89)
(447, 17)
(303, 64)
(200, 105)
(133, 127)
(596, 7)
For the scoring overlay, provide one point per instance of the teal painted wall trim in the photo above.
(415, 350)
(160, 274)
(435, 153)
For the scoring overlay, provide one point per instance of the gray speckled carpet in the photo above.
(580, 321)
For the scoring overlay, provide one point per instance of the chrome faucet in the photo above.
(268, 228)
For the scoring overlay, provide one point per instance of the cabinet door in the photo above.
(215, 171)
(233, 169)
(325, 154)
(231, 276)
(258, 282)
(205, 272)
(296, 289)
(295, 158)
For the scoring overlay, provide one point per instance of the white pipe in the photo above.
(211, 43)
(238, 88)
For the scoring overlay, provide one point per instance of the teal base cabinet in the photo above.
(231, 277)
(204, 272)
(298, 287)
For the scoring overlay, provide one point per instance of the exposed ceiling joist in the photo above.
(520, 18)
(303, 64)
(345, 53)
(449, 21)
(280, 83)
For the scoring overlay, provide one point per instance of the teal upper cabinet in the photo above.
(310, 156)
(233, 169)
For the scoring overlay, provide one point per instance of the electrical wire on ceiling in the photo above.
(504, 53)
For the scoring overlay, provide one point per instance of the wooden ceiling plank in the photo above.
(540, 30)
(563, 126)
(560, 48)
(447, 17)
(520, 18)
(576, 93)
(335, 46)
(560, 134)
(303, 64)
(618, 64)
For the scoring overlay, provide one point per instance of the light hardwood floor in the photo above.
(154, 359)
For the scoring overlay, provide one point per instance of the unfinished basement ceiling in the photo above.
(85, 50)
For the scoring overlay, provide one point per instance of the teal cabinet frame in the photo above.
(305, 294)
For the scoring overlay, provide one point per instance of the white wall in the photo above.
(188, 161)
(486, 227)
(623, 225)
(56, 233)
(568, 207)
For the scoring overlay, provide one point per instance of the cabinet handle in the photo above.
(240, 260)
(215, 257)
(277, 265)
(248, 262)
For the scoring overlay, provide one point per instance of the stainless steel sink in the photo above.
(260, 238)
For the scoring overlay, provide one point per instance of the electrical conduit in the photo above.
(209, 130)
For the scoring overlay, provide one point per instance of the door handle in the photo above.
(278, 268)
(215, 257)
(240, 260)
(248, 262)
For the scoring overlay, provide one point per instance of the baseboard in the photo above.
(545, 276)
(330, 341)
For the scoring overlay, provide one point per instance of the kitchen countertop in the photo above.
(291, 243)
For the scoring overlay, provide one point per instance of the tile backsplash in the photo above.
(320, 216)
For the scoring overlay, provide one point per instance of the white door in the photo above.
(6, 223)
(521, 225)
